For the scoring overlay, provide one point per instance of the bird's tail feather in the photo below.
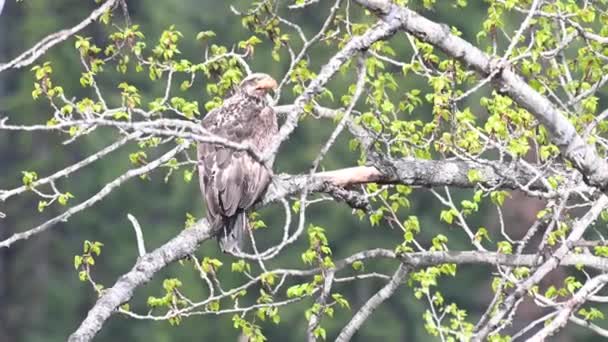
(232, 235)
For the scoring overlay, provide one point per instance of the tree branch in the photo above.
(415, 172)
(315, 317)
(563, 134)
(105, 191)
(188, 240)
(411, 171)
(556, 258)
(30, 56)
(568, 308)
(378, 32)
(372, 304)
(146, 267)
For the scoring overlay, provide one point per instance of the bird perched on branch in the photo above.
(231, 180)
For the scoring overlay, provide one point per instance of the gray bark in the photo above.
(372, 304)
(563, 134)
(145, 268)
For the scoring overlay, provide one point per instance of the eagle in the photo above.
(231, 181)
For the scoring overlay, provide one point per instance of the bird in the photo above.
(231, 180)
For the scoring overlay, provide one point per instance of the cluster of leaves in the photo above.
(264, 21)
(172, 300)
(29, 180)
(83, 262)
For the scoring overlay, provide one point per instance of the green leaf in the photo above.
(340, 300)
(591, 314)
(241, 266)
(214, 306)
(498, 197)
(474, 176)
(42, 205)
(268, 278)
(77, 261)
(203, 35)
(210, 265)
(63, 198)
(601, 251)
(447, 216)
(29, 177)
(358, 265)
(320, 332)
(481, 234)
(505, 247)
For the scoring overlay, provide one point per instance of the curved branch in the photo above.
(372, 304)
(30, 56)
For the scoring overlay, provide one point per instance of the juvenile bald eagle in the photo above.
(232, 181)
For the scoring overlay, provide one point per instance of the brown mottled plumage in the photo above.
(232, 181)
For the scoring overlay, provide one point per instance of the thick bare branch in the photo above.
(414, 172)
(146, 267)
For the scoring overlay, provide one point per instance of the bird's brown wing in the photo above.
(230, 180)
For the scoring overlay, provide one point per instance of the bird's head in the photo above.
(258, 85)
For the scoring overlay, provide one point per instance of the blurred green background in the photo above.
(41, 298)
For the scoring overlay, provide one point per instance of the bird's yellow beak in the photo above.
(267, 83)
